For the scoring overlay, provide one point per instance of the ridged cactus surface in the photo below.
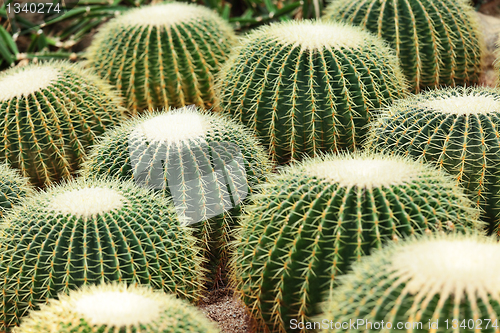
(438, 42)
(86, 232)
(456, 129)
(306, 87)
(13, 188)
(443, 283)
(310, 222)
(206, 163)
(162, 55)
(49, 114)
(117, 308)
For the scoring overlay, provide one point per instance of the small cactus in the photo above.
(206, 162)
(310, 222)
(86, 232)
(50, 114)
(442, 283)
(117, 308)
(13, 188)
(162, 55)
(438, 42)
(457, 129)
(306, 87)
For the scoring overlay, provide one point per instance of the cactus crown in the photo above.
(469, 103)
(165, 14)
(23, 81)
(437, 277)
(180, 125)
(116, 307)
(365, 170)
(184, 127)
(86, 202)
(453, 265)
(316, 35)
(26, 81)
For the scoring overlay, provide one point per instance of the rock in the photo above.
(490, 26)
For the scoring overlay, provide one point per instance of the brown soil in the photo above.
(491, 8)
(222, 307)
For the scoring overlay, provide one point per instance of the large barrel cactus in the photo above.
(442, 283)
(306, 87)
(13, 188)
(438, 42)
(310, 222)
(457, 130)
(208, 164)
(117, 308)
(162, 55)
(86, 232)
(50, 113)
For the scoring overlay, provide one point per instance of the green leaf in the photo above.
(5, 53)
(226, 11)
(7, 38)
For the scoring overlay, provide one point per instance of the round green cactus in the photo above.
(162, 55)
(310, 222)
(117, 307)
(438, 42)
(443, 283)
(454, 128)
(13, 188)
(206, 162)
(86, 232)
(306, 87)
(50, 114)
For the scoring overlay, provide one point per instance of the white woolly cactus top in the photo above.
(450, 265)
(471, 104)
(166, 14)
(25, 81)
(316, 35)
(117, 307)
(311, 35)
(451, 100)
(86, 202)
(365, 170)
(175, 126)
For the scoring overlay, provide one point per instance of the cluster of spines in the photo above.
(438, 42)
(164, 63)
(13, 188)
(306, 97)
